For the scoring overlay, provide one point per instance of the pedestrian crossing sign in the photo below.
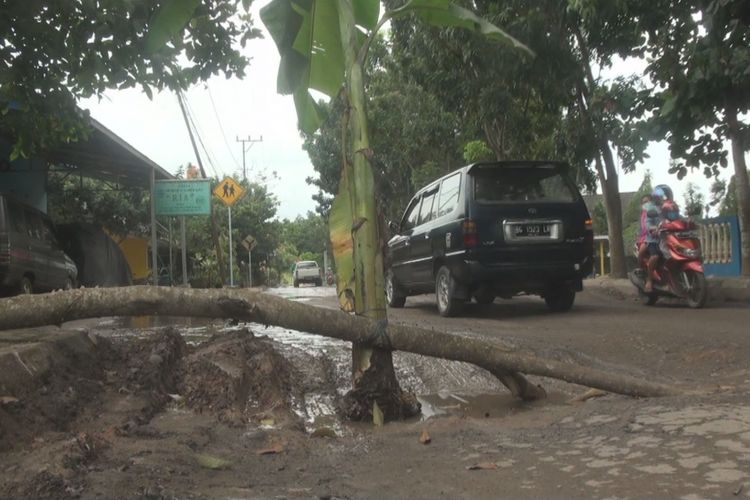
(229, 191)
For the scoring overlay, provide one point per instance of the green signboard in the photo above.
(183, 197)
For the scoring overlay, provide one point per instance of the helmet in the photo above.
(663, 191)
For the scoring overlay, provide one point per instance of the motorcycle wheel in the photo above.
(697, 292)
(648, 299)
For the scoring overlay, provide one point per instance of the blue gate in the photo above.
(720, 241)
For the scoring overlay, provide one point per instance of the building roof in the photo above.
(107, 157)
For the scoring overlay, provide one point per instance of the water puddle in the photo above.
(479, 405)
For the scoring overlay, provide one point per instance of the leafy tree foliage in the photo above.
(475, 151)
(75, 199)
(306, 237)
(599, 218)
(490, 89)
(724, 196)
(695, 201)
(55, 53)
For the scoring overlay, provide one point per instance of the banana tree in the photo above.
(323, 46)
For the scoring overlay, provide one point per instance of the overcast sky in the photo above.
(252, 107)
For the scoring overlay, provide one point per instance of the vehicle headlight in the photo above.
(693, 253)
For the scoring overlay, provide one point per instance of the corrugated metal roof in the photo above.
(106, 156)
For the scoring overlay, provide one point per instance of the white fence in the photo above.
(716, 242)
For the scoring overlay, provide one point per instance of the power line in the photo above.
(221, 128)
(197, 130)
(199, 133)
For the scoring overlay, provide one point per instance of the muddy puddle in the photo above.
(443, 387)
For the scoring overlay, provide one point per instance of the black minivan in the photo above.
(494, 229)
(31, 259)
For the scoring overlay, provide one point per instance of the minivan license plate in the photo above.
(532, 230)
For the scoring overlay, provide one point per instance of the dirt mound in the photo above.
(57, 398)
(43, 486)
(69, 422)
(238, 378)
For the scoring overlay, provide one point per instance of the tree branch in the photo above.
(495, 355)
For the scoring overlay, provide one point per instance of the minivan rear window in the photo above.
(509, 184)
(306, 265)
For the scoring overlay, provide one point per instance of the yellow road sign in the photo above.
(229, 191)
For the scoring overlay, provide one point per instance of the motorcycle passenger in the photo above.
(640, 242)
(653, 217)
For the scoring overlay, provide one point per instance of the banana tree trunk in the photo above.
(374, 379)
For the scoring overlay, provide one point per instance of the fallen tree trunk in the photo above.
(505, 362)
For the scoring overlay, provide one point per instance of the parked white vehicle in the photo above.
(307, 271)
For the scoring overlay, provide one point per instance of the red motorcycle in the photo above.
(679, 273)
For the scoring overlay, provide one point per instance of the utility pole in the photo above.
(214, 226)
(245, 150)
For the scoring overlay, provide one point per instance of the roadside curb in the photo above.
(719, 289)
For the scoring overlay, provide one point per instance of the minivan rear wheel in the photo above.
(445, 288)
(560, 298)
(392, 295)
(26, 287)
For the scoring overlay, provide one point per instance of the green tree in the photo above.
(699, 58)
(307, 235)
(322, 48)
(121, 211)
(493, 92)
(252, 215)
(695, 201)
(475, 151)
(725, 196)
(55, 53)
(717, 191)
(599, 218)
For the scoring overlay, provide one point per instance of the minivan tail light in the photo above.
(469, 230)
(588, 237)
(5, 254)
